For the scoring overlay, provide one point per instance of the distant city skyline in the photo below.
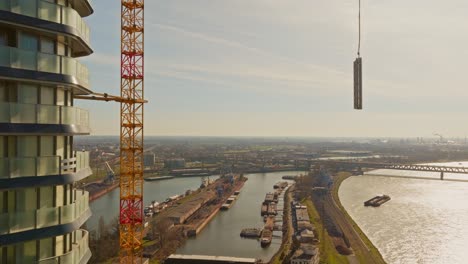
(267, 68)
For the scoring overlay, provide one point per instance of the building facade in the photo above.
(42, 210)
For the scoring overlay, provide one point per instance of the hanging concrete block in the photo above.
(358, 83)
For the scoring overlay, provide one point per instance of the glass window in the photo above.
(4, 171)
(60, 143)
(26, 252)
(58, 245)
(3, 38)
(45, 248)
(11, 146)
(60, 97)
(59, 193)
(2, 148)
(3, 205)
(68, 98)
(27, 94)
(26, 199)
(12, 92)
(11, 201)
(28, 41)
(27, 146)
(60, 49)
(47, 146)
(47, 46)
(46, 197)
(47, 95)
(11, 254)
(3, 92)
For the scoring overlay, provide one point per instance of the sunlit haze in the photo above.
(284, 68)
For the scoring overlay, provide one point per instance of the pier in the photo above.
(201, 259)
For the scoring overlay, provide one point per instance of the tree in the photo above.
(104, 243)
(160, 229)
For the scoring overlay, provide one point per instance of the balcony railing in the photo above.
(48, 11)
(37, 61)
(79, 250)
(44, 217)
(42, 166)
(43, 114)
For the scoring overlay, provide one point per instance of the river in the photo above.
(425, 221)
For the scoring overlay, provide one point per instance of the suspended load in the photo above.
(358, 83)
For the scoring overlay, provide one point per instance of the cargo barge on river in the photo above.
(377, 201)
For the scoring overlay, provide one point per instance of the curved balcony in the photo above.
(42, 62)
(42, 166)
(84, 7)
(48, 11)
(80, 252)
(45, 217)
(43, 114)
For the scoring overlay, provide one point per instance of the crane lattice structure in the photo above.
(131, 131)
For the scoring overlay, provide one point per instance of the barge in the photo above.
(267, 236)
(377, 201)
(251, 232)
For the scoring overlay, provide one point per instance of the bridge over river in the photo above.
(394, 166)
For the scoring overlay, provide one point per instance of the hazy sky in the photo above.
(284, 68)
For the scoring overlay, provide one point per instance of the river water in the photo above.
(424, 222)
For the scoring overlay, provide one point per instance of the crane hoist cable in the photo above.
(359, 30)
(358, 68)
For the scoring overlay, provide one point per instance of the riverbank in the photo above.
(363, 248)
(96, 190)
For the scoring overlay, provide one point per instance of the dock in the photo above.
(158, 178)
(201, 259)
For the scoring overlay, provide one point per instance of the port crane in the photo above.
(110, 174)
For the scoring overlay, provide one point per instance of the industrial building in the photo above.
(174, 163)
(180, 214)
(41, 210)
(149, 159)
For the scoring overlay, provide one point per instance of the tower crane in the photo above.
(131, 101)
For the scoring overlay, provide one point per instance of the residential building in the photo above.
(41, 208)
(306, 254)
(149, 159)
